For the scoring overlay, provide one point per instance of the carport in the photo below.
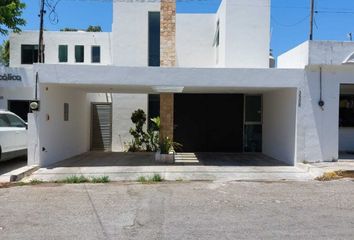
(57, 137)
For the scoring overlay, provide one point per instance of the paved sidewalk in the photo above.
(212, 167)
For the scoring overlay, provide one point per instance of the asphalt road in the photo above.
(198, 210)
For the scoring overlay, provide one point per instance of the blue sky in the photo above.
(290, 18)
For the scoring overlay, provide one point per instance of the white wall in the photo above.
(316, 53)
(61, 139)
(247, 33)
(297, 57)
(329, 52)
(279, 124)
(52, 40)
(130, 32)
(194, 40)
(318, 135)
(123, 107)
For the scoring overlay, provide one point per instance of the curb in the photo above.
(18, 174)
(312, 170)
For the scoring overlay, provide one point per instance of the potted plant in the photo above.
(166, 153)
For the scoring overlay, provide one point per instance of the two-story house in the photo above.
(206, 75)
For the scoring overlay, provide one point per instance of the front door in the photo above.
(101, 127)
(209, 122)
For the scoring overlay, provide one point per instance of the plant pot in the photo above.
(164, 158)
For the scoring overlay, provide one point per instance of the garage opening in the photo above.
(209, 122)
(19, 107)
(346, 121)
(101, 127)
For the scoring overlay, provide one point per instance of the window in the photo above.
(154, 39)
(4, 121)
(8, 120)
(63, 53)
(66, 112)
(96, 54)
(79, 54)
(29, 54)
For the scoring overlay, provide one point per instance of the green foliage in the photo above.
(75, 179)
(167, 145)
(104, 179)
(141, 138)
(94, 29)
(5, 53)
(10, 16)
(152, 179)
(144, 141)
(82, 179)
(35, 182)
(67, 29)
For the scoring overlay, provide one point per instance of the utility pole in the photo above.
(312, 18)
(41, 45)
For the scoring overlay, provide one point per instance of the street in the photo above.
(180, 210)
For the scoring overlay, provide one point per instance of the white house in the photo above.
(206, 75)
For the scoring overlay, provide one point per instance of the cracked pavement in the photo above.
(186, 210)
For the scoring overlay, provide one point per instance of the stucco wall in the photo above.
(297, 57)
(329, 52)
(279, 124)
(130, 32)
(247, 33)
(52, 40)
(123, 107)
(61, 139)
(194, 40)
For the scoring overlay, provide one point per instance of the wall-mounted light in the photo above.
(34, 105)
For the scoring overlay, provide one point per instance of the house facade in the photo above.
(206, 75)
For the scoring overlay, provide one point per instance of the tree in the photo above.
(67, 29)
(10, 16)
(94, 29)
(5, 53)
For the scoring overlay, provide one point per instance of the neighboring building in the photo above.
(207, 75)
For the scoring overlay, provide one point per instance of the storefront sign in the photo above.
(10, 77)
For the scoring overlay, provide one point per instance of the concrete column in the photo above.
(167, 59)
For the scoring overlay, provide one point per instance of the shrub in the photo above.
(103, 179)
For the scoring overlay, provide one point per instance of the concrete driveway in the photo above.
(197, 210)
(215, 167)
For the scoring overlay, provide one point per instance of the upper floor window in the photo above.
(96, 54)
(29, 54)
(63, 53)
(154, 39)
(79, 53)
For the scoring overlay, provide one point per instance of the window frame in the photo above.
(66, 51)
(34, 53)
(99, 53)
(83, 53)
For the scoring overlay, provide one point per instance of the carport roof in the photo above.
(150, 79)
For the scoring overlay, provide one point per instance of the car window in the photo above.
(4, 121)
(15, 121)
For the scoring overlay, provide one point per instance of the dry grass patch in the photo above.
(335, 175)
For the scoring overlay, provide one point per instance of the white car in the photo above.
(13, 136)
